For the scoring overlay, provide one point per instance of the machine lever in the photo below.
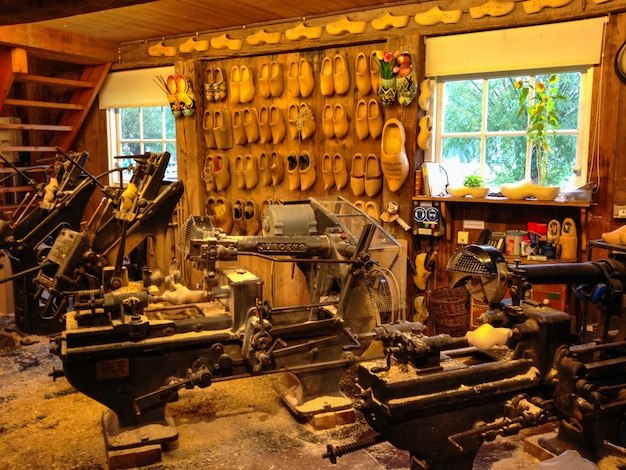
(197, 376)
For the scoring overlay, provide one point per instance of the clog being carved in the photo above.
(486, 336)
(393, 160)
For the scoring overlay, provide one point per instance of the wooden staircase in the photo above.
(28, 94)
(46, 99)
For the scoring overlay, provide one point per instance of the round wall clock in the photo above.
(620, 63)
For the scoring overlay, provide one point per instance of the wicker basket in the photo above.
(451, 310)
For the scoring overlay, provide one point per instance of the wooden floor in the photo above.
(237, 425)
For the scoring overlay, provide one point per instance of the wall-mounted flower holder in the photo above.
(179, 94)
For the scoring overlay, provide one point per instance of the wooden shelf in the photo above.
(503, 201)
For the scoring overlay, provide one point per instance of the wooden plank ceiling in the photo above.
(145, 19)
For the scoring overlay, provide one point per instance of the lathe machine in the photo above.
(132, 349)
(441, 397)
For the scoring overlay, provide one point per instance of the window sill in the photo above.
(502, 200)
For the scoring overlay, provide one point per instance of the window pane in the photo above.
(462, 106)
(561, 161)
(171, 174)
(152, 123)
(503, 106)
(131, 148)
(460, 157)
(153, 147)
(505, 160)
(569, 86)
(129, 118)
(170, 124)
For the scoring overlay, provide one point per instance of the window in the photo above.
(139, 118)
(480, 132)
(135, 131)
(476, 127)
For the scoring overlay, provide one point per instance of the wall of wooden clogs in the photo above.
(257, 140)
(289, 126)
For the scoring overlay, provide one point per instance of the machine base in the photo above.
(118, 438)
(324, 409)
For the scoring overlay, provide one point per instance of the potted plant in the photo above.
(473, 185)
(543, 118)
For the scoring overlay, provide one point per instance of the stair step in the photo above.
(36, 127)
(16, 189)
(27, 148)
(43, 104)
(43, 80)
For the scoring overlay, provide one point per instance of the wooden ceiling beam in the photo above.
(59, 44)
(30, 11)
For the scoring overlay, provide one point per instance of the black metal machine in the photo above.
(441, 397)
(53, 253)
(133, 348)
(62, 201)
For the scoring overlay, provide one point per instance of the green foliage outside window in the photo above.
(483, 133)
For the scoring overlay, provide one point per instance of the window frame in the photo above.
(115, 141)
(584, 117)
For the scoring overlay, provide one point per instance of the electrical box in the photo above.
(427, 220)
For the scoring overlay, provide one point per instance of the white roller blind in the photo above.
(533, 47)
(134, 89)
